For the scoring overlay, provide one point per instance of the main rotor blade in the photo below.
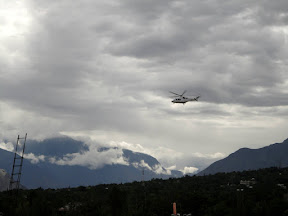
(183, 93)
(175, 93)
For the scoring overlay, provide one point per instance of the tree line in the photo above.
(250, 193)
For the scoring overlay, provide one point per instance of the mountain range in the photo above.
(274, 155)
(48, 164)
(62, 162)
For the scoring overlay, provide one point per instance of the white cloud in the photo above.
(34, 158)
(157, 168)
(217, 155)
(189, 170)
(173, 167)
(142, 164)
(8, 146)
(92, 158)
(125, 145)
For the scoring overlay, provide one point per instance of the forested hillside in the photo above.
(262, 192)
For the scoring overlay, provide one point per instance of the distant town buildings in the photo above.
(248, 183)
(282, 186)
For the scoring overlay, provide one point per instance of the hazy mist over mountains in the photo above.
(85, 152)
(62, 162)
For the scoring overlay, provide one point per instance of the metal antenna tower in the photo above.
(17, 164)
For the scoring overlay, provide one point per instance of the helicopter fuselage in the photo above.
(184, 100)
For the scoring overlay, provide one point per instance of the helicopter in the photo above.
(182, 99)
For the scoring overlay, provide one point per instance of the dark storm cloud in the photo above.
(91, 65)
(199, 39)
(233, 46)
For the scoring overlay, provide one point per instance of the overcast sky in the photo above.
(104, 69)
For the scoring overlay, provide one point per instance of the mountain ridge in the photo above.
(273, 155)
